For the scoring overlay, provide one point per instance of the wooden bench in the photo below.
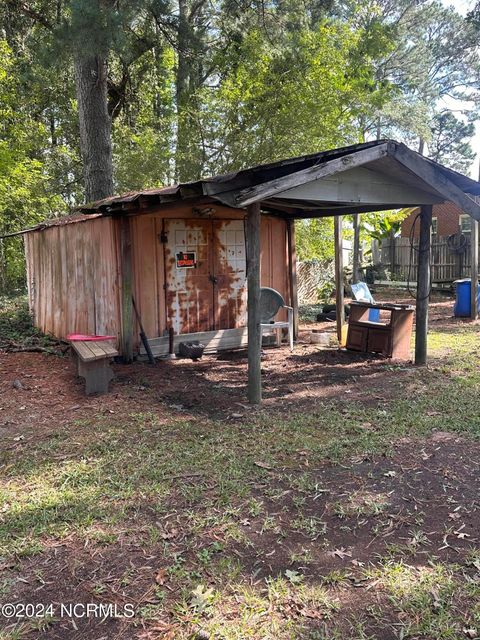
(93, 363)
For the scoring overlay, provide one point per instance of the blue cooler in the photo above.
(461, 308)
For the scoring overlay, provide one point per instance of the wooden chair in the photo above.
(271, 301)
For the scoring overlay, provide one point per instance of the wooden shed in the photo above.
(183, 262)
(186, 253)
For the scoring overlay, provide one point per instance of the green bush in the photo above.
(16, 324)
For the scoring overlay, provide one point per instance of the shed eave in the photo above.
(434, 184)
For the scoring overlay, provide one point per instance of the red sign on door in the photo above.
(186, 260)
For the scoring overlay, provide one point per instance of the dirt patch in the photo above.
(214, 386)
(417, 507)
(355, 534)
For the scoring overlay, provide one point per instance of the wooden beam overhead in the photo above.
(436, 179)
(268, 189)
(362, 186)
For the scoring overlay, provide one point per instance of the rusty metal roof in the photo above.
(128, 197)
(61, 221)
(238, 188)
(215, 184)
(273, 184)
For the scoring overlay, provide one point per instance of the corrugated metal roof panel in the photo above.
(56, 222)
(226, 187)
(130, 196)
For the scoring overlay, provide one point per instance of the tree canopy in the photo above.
(99, 96)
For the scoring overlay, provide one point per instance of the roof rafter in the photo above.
(438, 181)
(268, 189)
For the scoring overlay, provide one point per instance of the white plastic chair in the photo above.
(271, 301)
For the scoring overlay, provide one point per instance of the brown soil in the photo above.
(437, 479)
(433, 486)
(214, 386)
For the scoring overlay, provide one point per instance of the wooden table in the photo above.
(391, 337)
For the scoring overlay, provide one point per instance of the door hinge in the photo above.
(163, 237)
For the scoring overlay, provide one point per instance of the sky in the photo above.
(463, 7)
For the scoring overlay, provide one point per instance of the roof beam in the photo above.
(364, 186)
(268, 189)
(436, 179)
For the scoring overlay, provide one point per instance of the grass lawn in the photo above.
(351, 514)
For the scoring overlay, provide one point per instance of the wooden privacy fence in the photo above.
(312, 276)
(401, 260)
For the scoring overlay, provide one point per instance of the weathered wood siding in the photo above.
(73, 278)
(274, 270)
(74, 274)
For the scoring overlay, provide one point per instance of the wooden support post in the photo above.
(474, 270)
(392, 254)
(356, 248)
(292, 262)
(127, 284)
(253, 281)
(339, 305)
(423, 285)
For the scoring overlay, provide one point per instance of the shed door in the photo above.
(230, 273)
(205, 272)
(189, 289)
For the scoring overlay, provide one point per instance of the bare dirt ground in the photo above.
(213, 386)
(420, 504)
(370, 545)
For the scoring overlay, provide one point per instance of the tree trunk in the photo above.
(182, 95)
(95, 125)
(3, 268)
(189, 148)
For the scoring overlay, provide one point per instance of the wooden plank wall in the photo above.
(148, 273)
(73, 278)
(274, 271)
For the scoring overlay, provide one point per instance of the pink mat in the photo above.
(76, 337)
